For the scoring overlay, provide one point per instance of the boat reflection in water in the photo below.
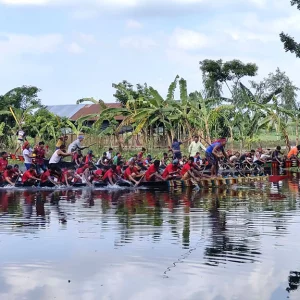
(237, 243)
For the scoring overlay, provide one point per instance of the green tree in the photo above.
(124, 89)
(290, 45)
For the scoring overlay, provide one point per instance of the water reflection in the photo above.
(244, 237)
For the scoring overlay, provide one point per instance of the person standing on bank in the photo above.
(196, 146)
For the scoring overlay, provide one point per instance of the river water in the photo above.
(239, 243)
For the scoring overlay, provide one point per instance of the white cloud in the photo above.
(137, 42)
(25, 2)
(87, 38)
(84, 14)
(133, 24)
(16, 44)
(188, 39)
(75, 48)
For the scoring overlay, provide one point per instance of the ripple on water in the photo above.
(232, 243)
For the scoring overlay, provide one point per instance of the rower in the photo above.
(97, 175)
(152, 174)
(276, 155)
(68, 177)
(103, 160)
(61, 141)
(27, 154)
(39, 151)
(148, 160)
(133, 159)
(187, 170)
(213, 156)
(294, 152)
(164, 160)
(172, 171)
(54, 162)
(89, 157)
(257, 157)
(109, 154)
(119, 169)
(30, 177)
(3, 161)
(84, 172)
(77, 158)
(46, 178)
(117, 158)
(110, 175)
(132, 173)
(141, 154)
(10, 175)
(197, 159)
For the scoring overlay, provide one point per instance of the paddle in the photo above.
(137, 184)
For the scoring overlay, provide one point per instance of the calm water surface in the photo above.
(240, 243)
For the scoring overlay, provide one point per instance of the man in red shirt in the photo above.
(132, 173)
(46, 179)
(187, 171)
(110, 175)
(3, 161)
(39, 152)
(152, 174)
(77, 158)
(119, 169)
(68, 177)
(141, 154)
(10, 175)
(97, 175)
(29, 178)
(172, 171)
(84, 173)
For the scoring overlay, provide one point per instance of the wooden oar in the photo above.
(137, 184)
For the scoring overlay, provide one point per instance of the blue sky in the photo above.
(77, 48)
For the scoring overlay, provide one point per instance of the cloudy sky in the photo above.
(78, 48)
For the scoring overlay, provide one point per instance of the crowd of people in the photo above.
(112, 167)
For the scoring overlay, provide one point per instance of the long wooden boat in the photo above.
(165, 185)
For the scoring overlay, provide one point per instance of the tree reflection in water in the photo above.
(294, 281)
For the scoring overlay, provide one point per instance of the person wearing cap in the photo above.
(76, 145)
(172, 170)
(213, 155)
(27, 154)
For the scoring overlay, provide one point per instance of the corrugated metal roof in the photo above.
(95, 109)
(67, 111)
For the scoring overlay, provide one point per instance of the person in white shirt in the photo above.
(109, 154)
(196, 146)
(20, 140)
(27, 154)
